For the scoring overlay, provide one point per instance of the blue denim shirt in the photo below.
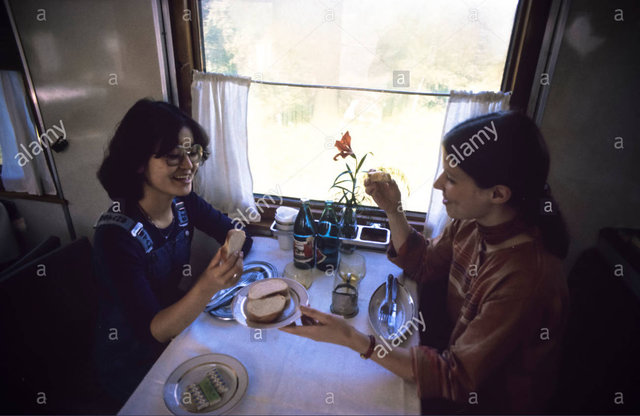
(135, 285)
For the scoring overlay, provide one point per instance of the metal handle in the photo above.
(394, 290)
(388, 289)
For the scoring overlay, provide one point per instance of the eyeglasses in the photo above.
(195, 153)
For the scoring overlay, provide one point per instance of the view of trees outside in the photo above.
(441, 45)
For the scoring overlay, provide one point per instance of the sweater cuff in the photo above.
(426, 372)
(409, 255)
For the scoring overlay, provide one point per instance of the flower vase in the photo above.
(349, 227)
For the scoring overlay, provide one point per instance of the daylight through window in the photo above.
(416, 46)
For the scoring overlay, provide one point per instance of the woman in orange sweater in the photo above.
(500, 256)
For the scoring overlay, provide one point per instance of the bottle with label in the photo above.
(304, 233)
(328, 239)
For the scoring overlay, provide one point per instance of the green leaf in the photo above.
(350, 172)
(361, 162)
(343, 189)
(338, 183)
(342, 173)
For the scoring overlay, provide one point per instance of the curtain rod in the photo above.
(333, 87)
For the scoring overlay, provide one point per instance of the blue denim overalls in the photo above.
(122, 362)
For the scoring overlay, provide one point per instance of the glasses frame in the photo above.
(194, 152)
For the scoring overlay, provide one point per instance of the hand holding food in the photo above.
(223, 271)
(384, 191)
(233, 243)
(378, 176)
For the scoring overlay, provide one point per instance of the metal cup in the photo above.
(344, 300)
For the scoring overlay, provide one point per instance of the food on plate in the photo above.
(216, 379)
(378, 176)
(207, 392)
(267, 309)
(234, 242)
(268, 287)
(266, 300)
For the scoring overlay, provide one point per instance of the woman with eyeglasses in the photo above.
(142, 243)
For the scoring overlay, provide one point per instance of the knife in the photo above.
(391, 323)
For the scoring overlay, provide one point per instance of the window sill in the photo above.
(368, 215)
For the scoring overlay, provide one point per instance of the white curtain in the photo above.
(24, 168)
(219, 104)
(462, 106)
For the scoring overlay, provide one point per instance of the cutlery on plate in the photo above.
(391, 322)
(217, 298)
(385, 307)
(225, 299)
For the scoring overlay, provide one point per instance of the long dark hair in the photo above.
(150, 128)
(517, 158)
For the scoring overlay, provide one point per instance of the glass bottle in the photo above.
(348, 227)
(328, 239)
(304, 233)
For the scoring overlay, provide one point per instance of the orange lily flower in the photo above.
(344, 145)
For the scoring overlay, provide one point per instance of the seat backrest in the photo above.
(50, 244)
(48, 312)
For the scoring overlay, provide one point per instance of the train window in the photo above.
(380, 71)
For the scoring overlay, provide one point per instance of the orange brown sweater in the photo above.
(509, 308)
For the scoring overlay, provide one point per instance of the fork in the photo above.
(385, 307)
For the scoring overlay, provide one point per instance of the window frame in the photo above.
(519, 72)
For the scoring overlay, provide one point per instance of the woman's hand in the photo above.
(221, 273)
(322, 327)
(385, 194)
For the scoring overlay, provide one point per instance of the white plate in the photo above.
(193, 371)
(405, 312)
(297, 296)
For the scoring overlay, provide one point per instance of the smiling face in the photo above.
(462, 197)
(171, 181)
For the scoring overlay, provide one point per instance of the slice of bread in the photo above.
(268, 287)
(379, 176)
(265, 310)
(234, 242)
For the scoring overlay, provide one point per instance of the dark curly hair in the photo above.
(150, 128)
(519, 160)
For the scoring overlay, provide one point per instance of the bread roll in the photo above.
(379, 176)
(234, 242)
(268, 287)
(265, 310)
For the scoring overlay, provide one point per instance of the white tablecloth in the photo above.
(290, 374)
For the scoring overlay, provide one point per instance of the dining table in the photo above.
(289, 374)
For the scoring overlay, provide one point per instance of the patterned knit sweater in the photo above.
(509, 308)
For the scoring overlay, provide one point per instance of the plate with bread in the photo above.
(269, 303)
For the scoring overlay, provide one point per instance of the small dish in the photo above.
(297, 296)
(406, 312)
(193, 371)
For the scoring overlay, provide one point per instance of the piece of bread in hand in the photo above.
(234, 242)
(266, 309)
(268, 287)
(378, 176)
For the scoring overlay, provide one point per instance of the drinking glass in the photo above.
(353, 264)
(344, 299)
